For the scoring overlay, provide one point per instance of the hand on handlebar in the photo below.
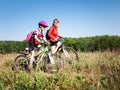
(58, 38)
(47, 43)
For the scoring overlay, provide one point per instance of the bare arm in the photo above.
(37, 38)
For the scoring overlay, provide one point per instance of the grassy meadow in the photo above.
(94, 71)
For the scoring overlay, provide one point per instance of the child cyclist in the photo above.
(35, 39)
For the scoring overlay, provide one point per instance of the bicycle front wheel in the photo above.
(69, 55)
(53, 63)
(20, 63)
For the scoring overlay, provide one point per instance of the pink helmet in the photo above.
(43, 23)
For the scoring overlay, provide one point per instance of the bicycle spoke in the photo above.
(20, 63)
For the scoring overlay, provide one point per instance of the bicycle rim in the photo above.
(69, 55)
(53, 67)
(20, 63)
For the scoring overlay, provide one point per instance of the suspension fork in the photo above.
(65, 52)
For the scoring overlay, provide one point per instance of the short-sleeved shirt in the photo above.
(39, 35)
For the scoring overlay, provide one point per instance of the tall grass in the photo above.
(94, 71)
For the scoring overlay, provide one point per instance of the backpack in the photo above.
(29, 35)
(47, 37)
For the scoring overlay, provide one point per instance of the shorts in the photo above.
(32, 46)
(53, 43)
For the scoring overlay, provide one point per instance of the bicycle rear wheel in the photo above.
(20, 63)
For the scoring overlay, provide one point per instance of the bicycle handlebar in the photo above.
(47, 43)
(61, 39)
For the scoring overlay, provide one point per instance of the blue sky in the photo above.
(78, 18)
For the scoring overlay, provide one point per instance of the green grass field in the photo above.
(93, 71)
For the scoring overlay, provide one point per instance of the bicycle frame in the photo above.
(61, 46)
(42, 53)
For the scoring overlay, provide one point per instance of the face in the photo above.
(42, 28)
(56, 23)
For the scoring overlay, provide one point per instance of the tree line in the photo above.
(95, 43)
(12, 46)
(84, 44)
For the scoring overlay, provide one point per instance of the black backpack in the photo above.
(47, 37)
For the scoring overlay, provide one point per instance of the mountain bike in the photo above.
(63, 56)
(21, 61)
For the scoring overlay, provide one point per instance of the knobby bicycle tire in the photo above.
(20, 62)
(73, 51)
(50, 67)
(68, 55)
(61, 60)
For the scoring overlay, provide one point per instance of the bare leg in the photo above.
(32, 59)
